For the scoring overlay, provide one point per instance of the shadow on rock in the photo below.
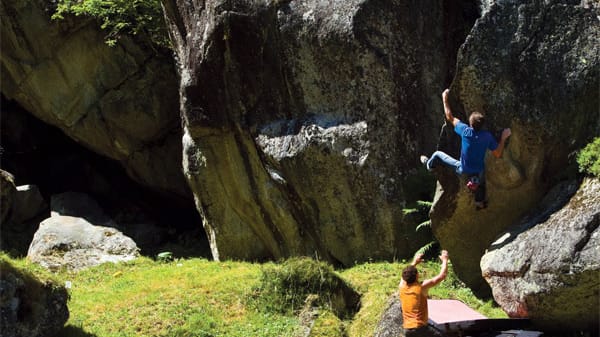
(72, 331)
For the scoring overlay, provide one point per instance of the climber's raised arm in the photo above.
(447, 111)
(498, 151)
(443, 272)
(413, 298)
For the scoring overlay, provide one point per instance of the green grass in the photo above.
(197, 297)
(192, 297)
(285, 287)
(378, 281)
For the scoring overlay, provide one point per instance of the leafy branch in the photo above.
(589, 158)
(142, 18)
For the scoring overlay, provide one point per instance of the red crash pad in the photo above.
(446, 311)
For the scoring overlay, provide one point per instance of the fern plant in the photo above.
(424, 224)
(421, 210)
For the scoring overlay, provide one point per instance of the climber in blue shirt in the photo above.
(474, 143)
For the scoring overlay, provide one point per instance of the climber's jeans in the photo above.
(480, 192)
(439, 157)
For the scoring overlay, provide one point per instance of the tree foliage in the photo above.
(589, 158)
(141, 18)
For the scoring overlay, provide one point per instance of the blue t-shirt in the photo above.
(473, 147)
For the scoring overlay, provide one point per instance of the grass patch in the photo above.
(285, 287)
(194, 297)
(201, 298)
(327, 324)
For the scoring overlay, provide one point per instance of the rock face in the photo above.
(40, 153)
(8, 193)
(390, 323)
(79, 205)
(29, 204)
(531, 66)
(74, 243)
(28, 209)
(28, 306)
(304, 120)
(120, 102)
(555, 285)
(146, 235)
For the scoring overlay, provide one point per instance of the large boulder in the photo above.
(29, 306)
(120, 102)
(28, 209)
(29, 204)
(73, 243)
(8, 192)
(390, 323)
(304, 120)
(148, 236)
(531, 66)
(81, 205)
(547, 266)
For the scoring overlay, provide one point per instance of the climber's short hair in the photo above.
(409, 274)
(476, 120)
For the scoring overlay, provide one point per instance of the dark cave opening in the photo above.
(39, 154)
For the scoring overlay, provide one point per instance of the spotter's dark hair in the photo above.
(409, 274)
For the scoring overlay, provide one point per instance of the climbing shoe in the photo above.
(473, 183)
(479, 205)
(424, 160)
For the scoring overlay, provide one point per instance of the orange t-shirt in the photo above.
(414, 306)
